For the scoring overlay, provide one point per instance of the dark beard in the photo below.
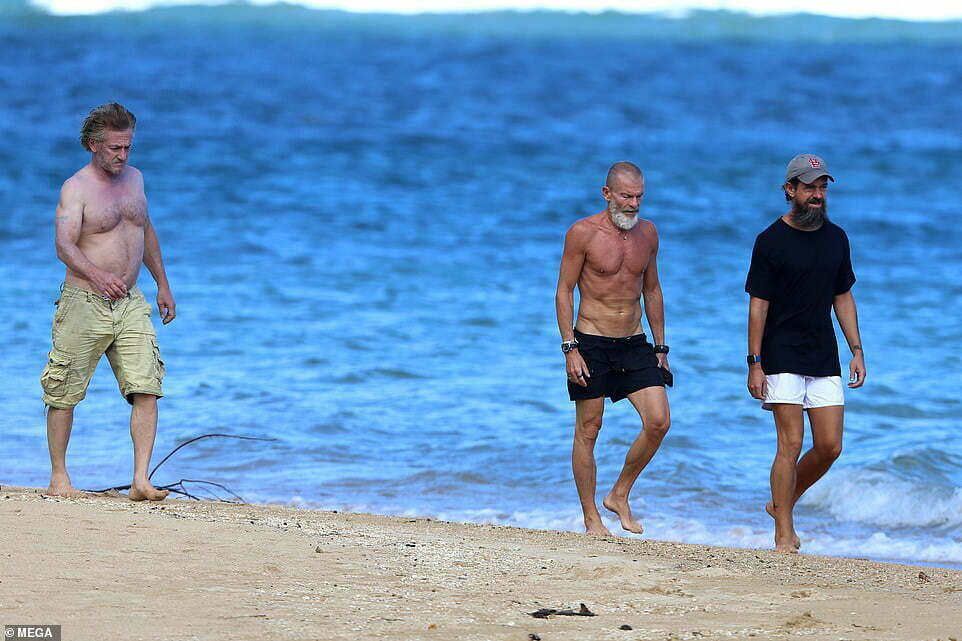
(807, 217)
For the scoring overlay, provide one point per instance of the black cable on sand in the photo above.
(179, 488)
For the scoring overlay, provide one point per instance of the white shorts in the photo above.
(807, 391)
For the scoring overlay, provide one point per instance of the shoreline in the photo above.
(615, 528)
(211, 571)
(943, 565)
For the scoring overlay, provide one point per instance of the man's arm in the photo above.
(847, 316)
(757, 314)
(155, 264)
(572, 262)
(69, 222)
(654, 301)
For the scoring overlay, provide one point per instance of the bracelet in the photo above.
(661, 349)
(856, 348)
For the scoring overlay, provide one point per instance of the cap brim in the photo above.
(812, 175)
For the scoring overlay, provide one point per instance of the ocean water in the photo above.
(362, 220)
(923, 10)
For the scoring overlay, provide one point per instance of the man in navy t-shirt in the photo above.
(801, 269)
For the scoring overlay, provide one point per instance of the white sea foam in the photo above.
(881, 499)
(918, 10)
(877, 545)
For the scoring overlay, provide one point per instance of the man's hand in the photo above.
(663, 361)
(577, 369)
(757, 385)
(856, 370)
(109, 285)
(166, 305)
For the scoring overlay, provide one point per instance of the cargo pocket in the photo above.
(53, 379)
(159, 370)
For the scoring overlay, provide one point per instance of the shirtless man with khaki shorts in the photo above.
(612, 258)
(103, 236)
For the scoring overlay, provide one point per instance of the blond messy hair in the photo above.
(112, 115)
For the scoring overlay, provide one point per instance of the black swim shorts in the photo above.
(618, 367)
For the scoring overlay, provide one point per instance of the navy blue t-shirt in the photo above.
(800, 273)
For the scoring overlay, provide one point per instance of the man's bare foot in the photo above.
(596, 528)
(146, 492)
(623, 510)
(785, 547)
(797, 542)
(61, 486)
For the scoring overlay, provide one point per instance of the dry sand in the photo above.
(109, 569)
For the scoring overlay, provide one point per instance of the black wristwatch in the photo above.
(754, 358)
(661, 349)
(567, 346)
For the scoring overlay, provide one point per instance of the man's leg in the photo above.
(652, 406)
(81, 332)
(790, 426)
(59, 424)
(826, 447)
(588, 415)
(143, 429)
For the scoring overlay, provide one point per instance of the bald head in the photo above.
(623, 170)
(624, 190)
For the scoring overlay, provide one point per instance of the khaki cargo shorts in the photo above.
(85, 327)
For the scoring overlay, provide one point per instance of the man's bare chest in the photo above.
(610, 255)
(104, 214)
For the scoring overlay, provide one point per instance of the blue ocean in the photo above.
(362, 219)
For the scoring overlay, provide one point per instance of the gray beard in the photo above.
(808, 217)
(624, 222)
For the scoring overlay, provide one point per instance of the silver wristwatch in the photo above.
(567, 346)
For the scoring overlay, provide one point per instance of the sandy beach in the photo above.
(104, 567)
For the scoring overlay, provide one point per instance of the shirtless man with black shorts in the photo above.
(611, 257)
(103, 236)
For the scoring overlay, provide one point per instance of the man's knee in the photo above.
(138, 399)
(657, 426)
(830, 450)
(58, 412)
(789, 447)
(588, 428)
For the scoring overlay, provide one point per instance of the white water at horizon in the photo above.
(921, 10)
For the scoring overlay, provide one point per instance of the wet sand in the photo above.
(107, 568)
